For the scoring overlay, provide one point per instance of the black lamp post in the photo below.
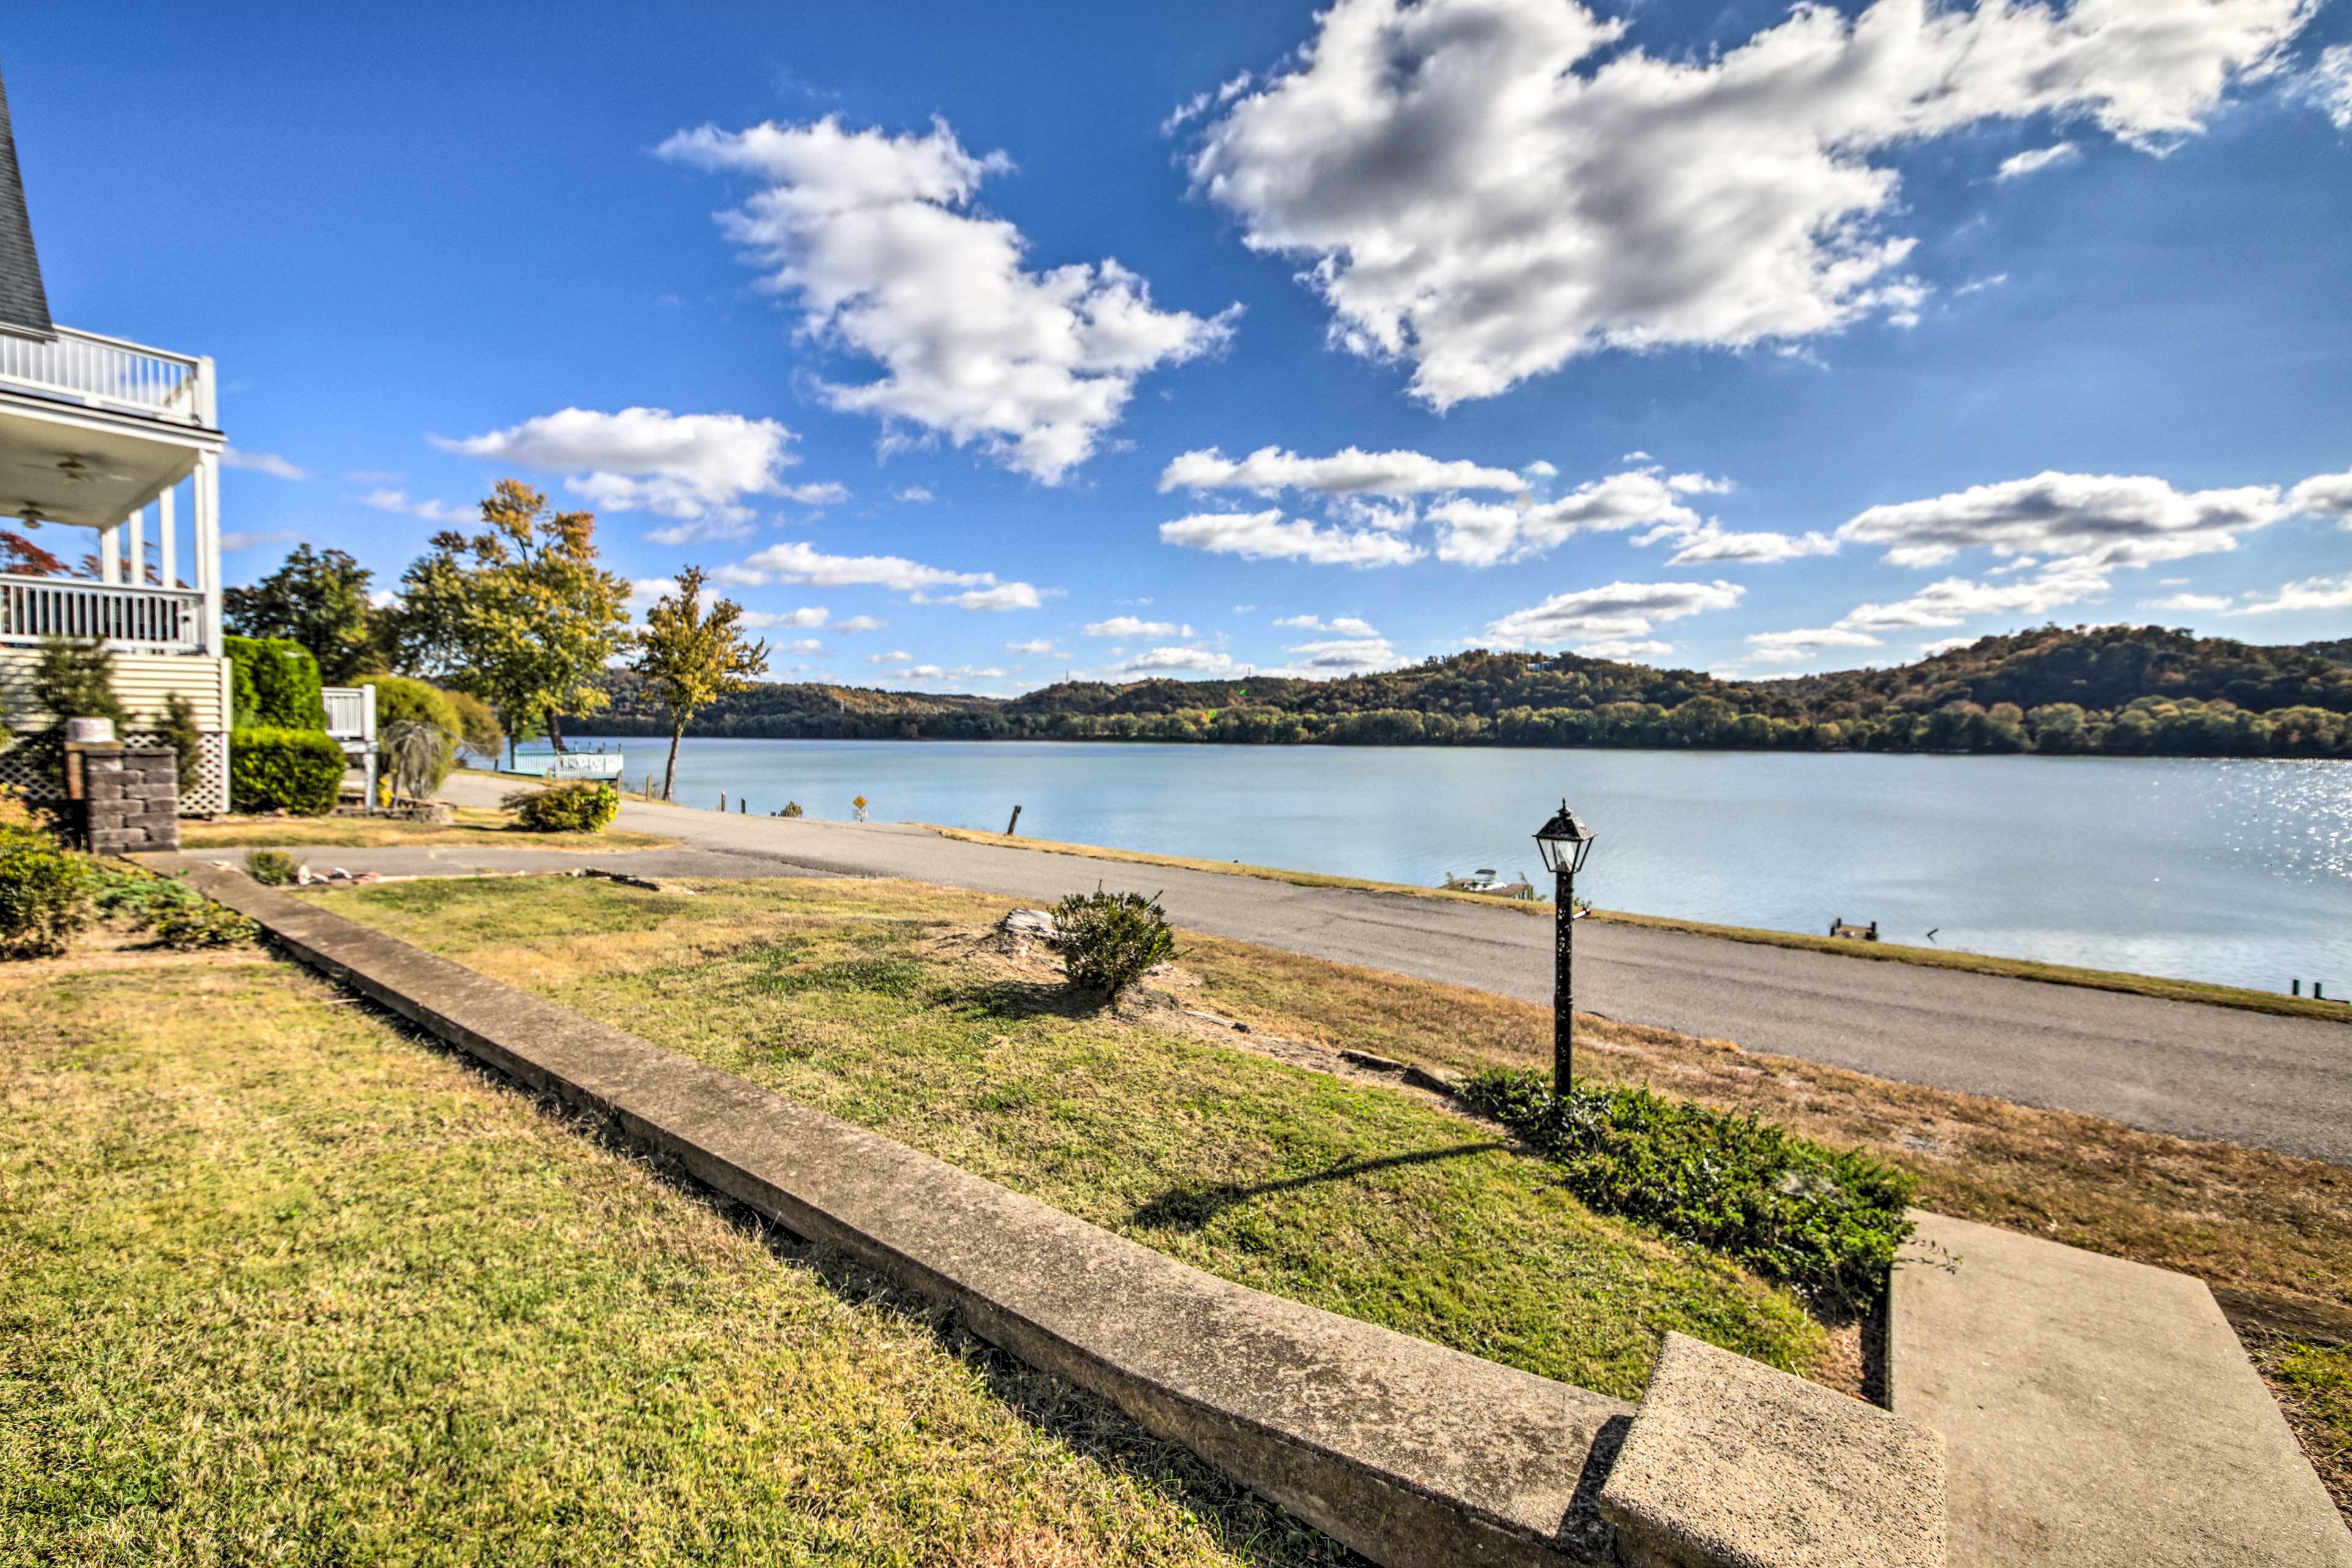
(1564, 842)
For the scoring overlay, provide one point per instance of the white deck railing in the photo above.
(109, 372)
(167, 619)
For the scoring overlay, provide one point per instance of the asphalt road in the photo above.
(2168, 1066)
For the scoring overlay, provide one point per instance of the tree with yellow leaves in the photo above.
(692, 657)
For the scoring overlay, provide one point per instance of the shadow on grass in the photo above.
(1258, 1531)
(1190, 1206)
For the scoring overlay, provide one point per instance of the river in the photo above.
(2233, 871)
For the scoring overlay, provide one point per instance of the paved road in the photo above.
(2169, 1066)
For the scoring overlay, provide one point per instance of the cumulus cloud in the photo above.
(1955, 600)
(1133, 626)
(1265, 536)
(1488, 188)
(914, 495)
(1621, 648)
(895, 656)
(878, 239)
(1483, 533)
(1270, 471)
(1788, 648)
(1617, 613)
(2311, 594)
(2035, 160)
(645, 592)
(2099, 520)
(1344, 655)
(2324, 495)
(859, 624)
(269, 463)
(430, 511)
(1034, 646)
(807, 616)
(1343, 625)
(1192, 660)
(694, 468)
(803, 562)
(2208, 603)
(1711, 542)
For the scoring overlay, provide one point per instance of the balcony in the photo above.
(111, 374)
(130, 619)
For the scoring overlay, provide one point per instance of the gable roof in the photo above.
(24, 303)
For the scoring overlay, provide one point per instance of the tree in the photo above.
(520, 614)
(26, 559)
(320, 599)
(692, 658)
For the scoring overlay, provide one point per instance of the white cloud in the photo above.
(2205, 603)
(431, 510)
(1482, 533)
(1034, 646)
(1265, 536)
(1131, 627)
(235, 541)
(2035, 160)
(269, 463)
(830, 492)
(1943, 644)
(645, 592)
(2100, 519)
(1955, 600)
(1345, 655)
(2311, 594)
(1541, 470)
(914, 495)
(803, 562)
(1488, 188)
(1193, 107)
(2329, 85)
(1978, 285)
(710, 530)
(1192, 661)
(807, 616)
(1344, 626)
(961, 673)
(1788, 648)
(859, 624)
(1620, 648)
(694, 468)
(878, 239)
(895, 656)
(384, 599)
(1271, 470)
(1712, 543)
(2324, 495)
(811, 647)
(1619, 612)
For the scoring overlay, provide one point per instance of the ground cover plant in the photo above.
(1829, 1221)
(2272, 1233)
(480, 825)
(852, 997)
(284, 1285)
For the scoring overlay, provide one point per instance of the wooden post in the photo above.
(1014, 824)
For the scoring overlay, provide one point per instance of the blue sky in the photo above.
(1715, 336)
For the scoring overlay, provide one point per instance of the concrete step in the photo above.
(2095, 1412)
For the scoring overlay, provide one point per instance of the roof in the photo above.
(24, 303)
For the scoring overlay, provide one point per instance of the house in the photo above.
(124, 441)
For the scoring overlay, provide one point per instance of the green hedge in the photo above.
(299, 771)
(1826, 1220)
(276, 684)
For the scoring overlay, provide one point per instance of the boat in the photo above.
(1488, 880)
(599, 766)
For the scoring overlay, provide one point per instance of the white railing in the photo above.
(167, 619)
(350, 712)
(108, 372)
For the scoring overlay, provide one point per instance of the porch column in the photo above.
(167, 537)
(109, 554)
(208, 546)
(136, 566)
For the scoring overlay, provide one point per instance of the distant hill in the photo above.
(2340, 650)
(2123, 690)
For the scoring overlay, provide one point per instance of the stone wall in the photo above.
(125, 798)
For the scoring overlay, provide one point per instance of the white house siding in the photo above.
(142, 681)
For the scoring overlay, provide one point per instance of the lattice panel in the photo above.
(210, 793)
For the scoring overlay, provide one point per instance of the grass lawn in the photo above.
(1881, 951)
(279, 1284)
(480, 825)
(837, 995)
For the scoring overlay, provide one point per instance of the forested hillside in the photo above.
(2111, 689)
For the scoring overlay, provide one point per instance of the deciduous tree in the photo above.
(693, 657)
(317, 598)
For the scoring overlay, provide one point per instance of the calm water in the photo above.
(2233, 871)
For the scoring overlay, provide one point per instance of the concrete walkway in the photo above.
(2095, 1414)
(2168, 1066)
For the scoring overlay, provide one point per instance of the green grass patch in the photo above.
(1829, 1221)
(279, 1285)
(1355, 1198)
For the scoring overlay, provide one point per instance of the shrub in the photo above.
(276, 684)
(478, 727)
(270, 868)
(400, 700)
(187, 742)
(1828, 1221)
(1110, 939)
(792, 808)
(300, 770)
(565, 808)
(19, 818)
(45, 896)
(167, 909)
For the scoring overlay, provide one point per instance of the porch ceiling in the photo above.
(85, 471)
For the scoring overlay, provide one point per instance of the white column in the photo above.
(208, 546)
(137, 563)
(167, 537)
(109, 554)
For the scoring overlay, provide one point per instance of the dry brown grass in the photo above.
(479, 825)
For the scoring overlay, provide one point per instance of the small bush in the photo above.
(565, 808)
(270, 868)
(792, 808)
(20, 818)
(45, 896)
(400, 700)
(1828, 1221)
(1110, 940)
(300, 770)
(167, 909)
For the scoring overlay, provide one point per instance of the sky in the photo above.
(968, 347)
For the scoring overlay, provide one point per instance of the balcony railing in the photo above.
(163, 620)
(108, 372)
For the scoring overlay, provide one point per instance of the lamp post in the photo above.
(1564, 842)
